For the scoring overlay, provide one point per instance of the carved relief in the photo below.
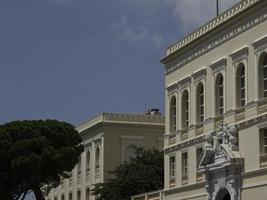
(222, 163)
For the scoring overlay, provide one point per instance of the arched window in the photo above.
(173, 115)
(263, 75)
(185, 109)
(97, 157)
(219, 97)
(200, 102)
(79, 166)
(240, 86)
(88, 161)
(130, 152)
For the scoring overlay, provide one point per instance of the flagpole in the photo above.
(217, 6)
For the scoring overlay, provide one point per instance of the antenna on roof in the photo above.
(145, 106)
(217, 7)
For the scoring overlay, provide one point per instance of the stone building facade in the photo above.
(109, 139)
(216, 109)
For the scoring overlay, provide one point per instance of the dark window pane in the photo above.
(201, 100)
(242, 82)
(220, 91)
(265, 60)
(242, 102)
(221, 102)
(242, 94)
(201, 110)
(264, 72)
(265, 84)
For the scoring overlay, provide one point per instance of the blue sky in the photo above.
(73, 59)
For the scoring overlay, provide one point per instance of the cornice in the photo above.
(172, 88)
(260, 44)
(184, 144)
(121, 118)
(186, 55)
(239, 55)
(218, 65)
(222, 18)
(200, 74)
(186, 81)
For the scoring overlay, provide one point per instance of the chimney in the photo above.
(153, 111)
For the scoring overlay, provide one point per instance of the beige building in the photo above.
(109, 139)
(216, 109)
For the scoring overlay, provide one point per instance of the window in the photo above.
(184, 164)
(79, 195)
(97, 157)
(62, 197)
(200, 102)
(87, 193)
(219, 97)
(184, 168)
(70, 196)
(240, 85)
(173, 115)
(263, 75)
(199, 154)
(79, 166)
(185, 109)
(172, 167)
(263, 139)
(263, 147)
(130, 152)
(88, 161)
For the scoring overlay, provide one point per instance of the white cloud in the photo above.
(193, 13)
(126, 30)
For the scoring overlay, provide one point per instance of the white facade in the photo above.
(109, 139)
(217, 76)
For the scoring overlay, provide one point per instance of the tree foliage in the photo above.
(34, 154)
(141, 174)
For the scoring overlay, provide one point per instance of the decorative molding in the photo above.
(222, 18)
(200, 74)
(184, 144)
(173, 88)
(210, 44)
(260, 44)
(239, 55)
(250, 122)
(218, 65)
(187, 188)
(254, 173)
(185, 82)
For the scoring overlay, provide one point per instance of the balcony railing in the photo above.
(184, 179)
(97, 171)
(200, 177)
(240, 114)
(172, 182)
(199, 129)
(71, 181)
(263, 160)
(262, 106)
(154, 195)
(172, 139)
(79, 178)
(88, 174)
(184, 134)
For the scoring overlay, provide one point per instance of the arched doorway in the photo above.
(223, 194)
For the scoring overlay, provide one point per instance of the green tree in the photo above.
(35, 155)
(141, 174)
